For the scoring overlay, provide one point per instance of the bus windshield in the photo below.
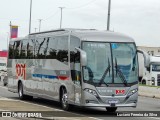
(2, 64)
(155, 68)
(110, 63)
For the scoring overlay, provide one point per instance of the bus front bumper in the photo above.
(110, 105)
(109, 101)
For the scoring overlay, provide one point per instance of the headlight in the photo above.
(153, 81)
(131, 92)
(93, 92)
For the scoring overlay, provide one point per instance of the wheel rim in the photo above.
(20, 91)
(65, 100)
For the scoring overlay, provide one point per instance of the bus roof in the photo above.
(106, 36)
(88, 35)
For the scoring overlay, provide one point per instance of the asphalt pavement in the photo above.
(10, 101)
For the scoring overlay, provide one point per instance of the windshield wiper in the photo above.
(120, 73)
(105, 73)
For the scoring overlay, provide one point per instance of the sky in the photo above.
(139, 19)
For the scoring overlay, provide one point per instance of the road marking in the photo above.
(155, 118)
(36, 105)
(3, 98)
(9, 99)
(52, 118)
(4, 110)
(3, 87)
(95, 118)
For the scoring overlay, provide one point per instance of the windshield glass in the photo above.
(109, 63)
(98, 61)
(156, 68)
(2, 64)
(125, 62)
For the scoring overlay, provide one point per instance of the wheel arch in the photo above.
(60, 91)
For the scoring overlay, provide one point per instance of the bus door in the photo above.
(77, 83)
(76, 78)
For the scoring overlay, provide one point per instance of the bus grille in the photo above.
(158, 80)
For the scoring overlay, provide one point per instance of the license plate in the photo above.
(113, 101)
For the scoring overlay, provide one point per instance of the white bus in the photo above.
(88, 68)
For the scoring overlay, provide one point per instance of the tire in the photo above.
(111, 109)
(64, 100)
(143, 82)
(4, 84)
(21, 94)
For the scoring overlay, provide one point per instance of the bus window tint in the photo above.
(75, 60)
(62, 49)
(125, 61)
(16, 50)
(40, 48)
(11, 50)
(52, 48)
(30, 49)
(23, 47)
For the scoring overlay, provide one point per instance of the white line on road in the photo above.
(36, 104)
(157, 118)
(9, 99)
(95, 118)
(3, 98)
(3, 87)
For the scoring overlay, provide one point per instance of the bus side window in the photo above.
(75, 60)
(23, 49)
(30, 49)
(11, 50)
(62, 49)
(40, 48)
(52, 48)
(16, 50)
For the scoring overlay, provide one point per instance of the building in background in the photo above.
(3, 64)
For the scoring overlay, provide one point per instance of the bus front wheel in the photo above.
(111, 109)
(64, 99)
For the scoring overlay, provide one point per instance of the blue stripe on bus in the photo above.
(44, 76)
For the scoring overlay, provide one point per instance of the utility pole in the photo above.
(10, 25)
(30, 16)
(40, 20)
(7, 39)
(35, 29)
(109, 9)
(61, 16)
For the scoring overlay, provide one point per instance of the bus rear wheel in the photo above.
(111, 109)
(21, 94)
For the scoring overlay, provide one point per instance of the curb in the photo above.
(146, 91)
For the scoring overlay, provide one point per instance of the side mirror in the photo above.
(83, 56)
(146, 58)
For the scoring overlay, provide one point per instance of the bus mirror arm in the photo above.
(83, 56)
(146, 58)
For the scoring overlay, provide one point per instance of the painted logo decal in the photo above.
(50, 76)
(21, 71)
(120, 92)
